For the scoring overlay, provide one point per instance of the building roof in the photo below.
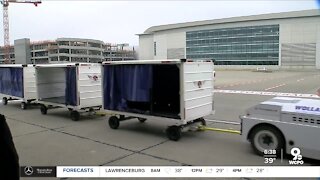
(80, 39)
(283, 15)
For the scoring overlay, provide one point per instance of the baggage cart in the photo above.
(163, 90)
(76, 86)
(17, 82)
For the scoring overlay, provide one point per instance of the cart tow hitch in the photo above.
(101, 113)
(205, 128)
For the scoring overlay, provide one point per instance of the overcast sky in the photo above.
(119, 21)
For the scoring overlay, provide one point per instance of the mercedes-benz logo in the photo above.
(28, 170)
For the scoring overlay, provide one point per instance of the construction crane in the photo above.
(5, 4)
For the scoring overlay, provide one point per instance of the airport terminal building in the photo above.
(280, 40)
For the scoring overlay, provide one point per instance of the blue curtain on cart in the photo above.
(11, 81)
(71, 86)
(123, 83)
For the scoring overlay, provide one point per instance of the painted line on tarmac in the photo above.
(280, 85)
(245, 83)
(300, 80)
(265, 93)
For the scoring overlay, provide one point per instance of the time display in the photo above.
(269, 151)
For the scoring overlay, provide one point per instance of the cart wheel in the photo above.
(142, 120)
(266, 138)
(4, 101)
(23, 105)
(114, 122)
(174, 133)
(75, 115)
(43, 109)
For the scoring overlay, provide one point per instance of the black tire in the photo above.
(266, 138)
(75, 115)
(174, 133)
(114, 122)
(4, 101)
(43, 109)
(203, 122)
(23, 106)
(142, 120)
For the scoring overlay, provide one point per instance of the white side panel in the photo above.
(176, 40)
(145, 47)
(89, 85)
(176, 45)
(198, 89)
(318, 49)
(51, 82)
(161, 46)
(29, 83)
(302, 132)
(318, 55)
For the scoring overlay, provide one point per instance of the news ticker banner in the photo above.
(170, 171)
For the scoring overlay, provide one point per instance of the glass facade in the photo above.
(251, 45)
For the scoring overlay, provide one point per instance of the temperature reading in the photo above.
(260, 170)
(269, 160)
(219, 170)
(269, 156)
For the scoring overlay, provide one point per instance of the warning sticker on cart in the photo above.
(94, 78)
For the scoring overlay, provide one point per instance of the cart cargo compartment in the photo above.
(11, 81)
(179, 90)
(69, 85)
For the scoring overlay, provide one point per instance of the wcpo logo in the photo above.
(297, 157)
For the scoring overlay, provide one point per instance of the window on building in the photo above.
(154, 48)
(252, 45)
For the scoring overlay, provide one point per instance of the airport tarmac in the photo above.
(55, 140)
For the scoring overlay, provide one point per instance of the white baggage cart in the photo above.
(179, 90)
(76, 86)
(17, 82)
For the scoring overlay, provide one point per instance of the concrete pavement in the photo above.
(54, 139)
